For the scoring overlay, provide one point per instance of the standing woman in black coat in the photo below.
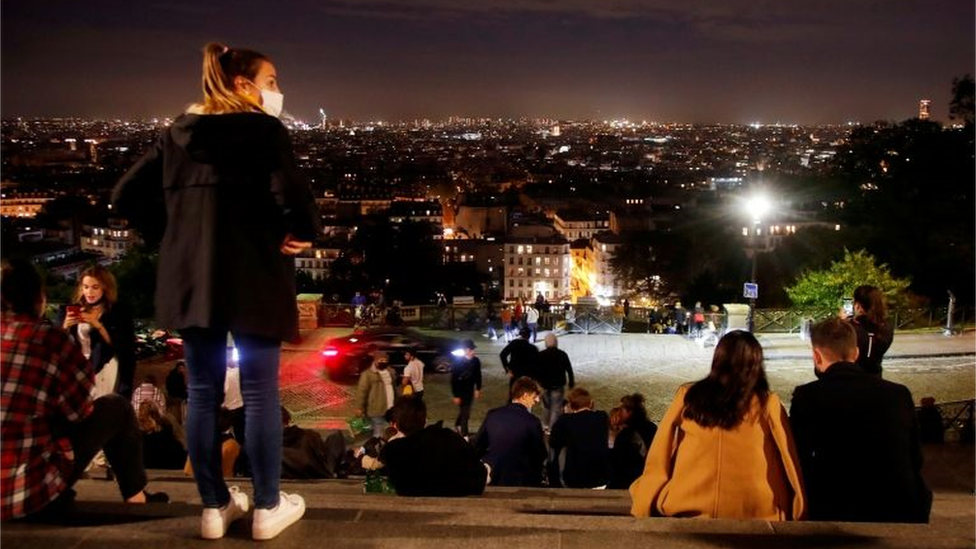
(103, 329)
(220, 189)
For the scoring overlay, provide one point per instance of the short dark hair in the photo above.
(835, 335)
(579, 399)
(525, 385)
(21, 287)
(410, 414)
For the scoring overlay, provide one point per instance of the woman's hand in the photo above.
(293, 246)
(71, 318)
(92, 316)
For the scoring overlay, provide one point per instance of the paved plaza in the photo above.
(610, 366)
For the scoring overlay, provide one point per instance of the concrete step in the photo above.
(340, 515)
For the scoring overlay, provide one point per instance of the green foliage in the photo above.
(136, 278)
(961, 107)
(827, 287)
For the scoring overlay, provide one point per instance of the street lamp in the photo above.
(756, 206)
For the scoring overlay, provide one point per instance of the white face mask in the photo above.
(273, 102)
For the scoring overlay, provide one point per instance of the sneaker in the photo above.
(268, 523)
(216, 520)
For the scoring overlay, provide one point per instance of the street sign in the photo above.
(750, 290)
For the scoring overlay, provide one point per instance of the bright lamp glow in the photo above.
(458, 352)
(757, 206)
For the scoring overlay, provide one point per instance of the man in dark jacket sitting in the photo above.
(432, 460)
(857, 437)
(511, 441)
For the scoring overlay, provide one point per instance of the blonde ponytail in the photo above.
(220, 66)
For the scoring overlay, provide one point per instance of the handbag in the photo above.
(407, 389)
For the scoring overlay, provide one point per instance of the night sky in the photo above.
(732, 61)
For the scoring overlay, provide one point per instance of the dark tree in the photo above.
(961, 106)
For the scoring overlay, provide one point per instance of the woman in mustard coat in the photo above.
(724, 448)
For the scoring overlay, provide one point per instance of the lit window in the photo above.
(521, 249)
(538, 261)
(547, 261)
(603, 247)
(836, 227)
(528, 249)
(745, 231)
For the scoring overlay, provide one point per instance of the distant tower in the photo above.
(923, 109)
(325, 119)
(556, 132)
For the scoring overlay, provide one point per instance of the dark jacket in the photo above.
(519, 357)
(434, 462)
(306, 454)
(580, 449)
(221, 191)
(176, 385)
(162, 450)
(553, 368)
(873, 342)
(858, 441)
(118, 324)
(510, 440)
(627, 458)
(466, 378)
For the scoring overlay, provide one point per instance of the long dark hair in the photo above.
(723, 398)
(872, 303)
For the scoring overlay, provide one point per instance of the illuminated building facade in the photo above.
(537, 266)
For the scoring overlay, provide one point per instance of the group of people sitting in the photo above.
(849, 449)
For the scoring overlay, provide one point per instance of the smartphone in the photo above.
(848, 306)
(73, 310)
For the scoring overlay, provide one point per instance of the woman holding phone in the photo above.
(104, 330)
(221, 189)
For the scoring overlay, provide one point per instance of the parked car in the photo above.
(346, 357)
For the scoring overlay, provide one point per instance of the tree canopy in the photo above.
(826, 288)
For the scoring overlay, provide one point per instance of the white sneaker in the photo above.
(216, 520)
(268, 523)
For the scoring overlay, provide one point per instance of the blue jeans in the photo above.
(206, 361)
(553, 400)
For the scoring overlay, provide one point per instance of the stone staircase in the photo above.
(340, 515)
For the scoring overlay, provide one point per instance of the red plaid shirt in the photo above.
(46, 381)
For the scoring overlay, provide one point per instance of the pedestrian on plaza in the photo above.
(579, 452)
(511, 439)
(626, 308)
(375, 395)
(518, 315)
(465, 386)
(519, 358)
(680, 319)
(104, 329)
(698, 318)
(52, 427)
(507, 323)
(857, 437)
(491, 318)
(724, 449)
(553, 372)
(874, 332)
(532, 321)
(221, 188)
(413, 374)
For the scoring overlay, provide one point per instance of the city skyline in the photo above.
(741, 62)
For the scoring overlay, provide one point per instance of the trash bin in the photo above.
(737, 316)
